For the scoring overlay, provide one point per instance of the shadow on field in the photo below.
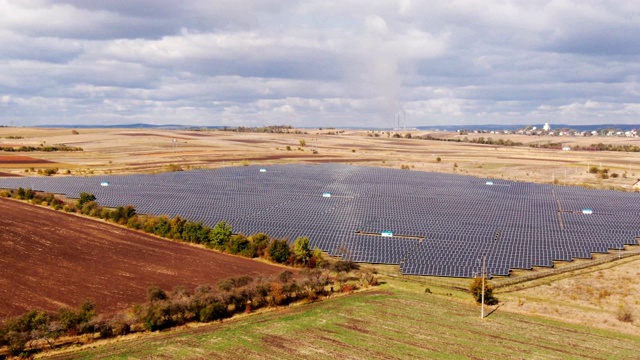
(492, 311)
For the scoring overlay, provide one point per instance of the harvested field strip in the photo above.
(390, 323)
(52, 259)
(8, 175)
(10, 159)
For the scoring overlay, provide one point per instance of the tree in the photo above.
(476, 291)
(259, 243)
(302, 249)
(238, 244)
(303, 142)
(85, 198)
(279, 251)
(220, 235)
(29, 194)
(73, 321)
(195, 232)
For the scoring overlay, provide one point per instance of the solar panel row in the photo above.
(459, 218)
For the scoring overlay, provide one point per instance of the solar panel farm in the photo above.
(421, 214)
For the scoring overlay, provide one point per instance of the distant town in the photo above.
(549, 131)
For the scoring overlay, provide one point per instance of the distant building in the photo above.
(546, 127)
(566, 148)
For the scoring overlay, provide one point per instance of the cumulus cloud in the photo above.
(313, 63)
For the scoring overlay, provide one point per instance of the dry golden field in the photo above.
(595, 297)
(141, 150)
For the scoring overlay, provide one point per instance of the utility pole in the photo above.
(484, 258)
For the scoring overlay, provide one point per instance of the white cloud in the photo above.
(352, 62)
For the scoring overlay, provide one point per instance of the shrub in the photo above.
(156, 315)
(214, 311)
(285, 276)
(624, 313)
(154, 293)
(237, 244)
(347, 288)
(104, 328)
(49, 171)
(476, 291)
(16, 342)
(120, 325)
(279, 251)
(85, 198)
(302, 250)
(75, 321)
(259, 243)
(345, 265)
(173, 168)
(276, 292)
(234, 282)
(220, 235)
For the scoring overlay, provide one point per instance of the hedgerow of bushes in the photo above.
(220, 237)
(38, 330)
(40, 148)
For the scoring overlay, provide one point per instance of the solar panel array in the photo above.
(442, 223)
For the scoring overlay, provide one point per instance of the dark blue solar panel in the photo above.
(442, 223)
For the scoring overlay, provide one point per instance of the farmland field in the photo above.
(52, 259)
(118, 151)
(397, 321)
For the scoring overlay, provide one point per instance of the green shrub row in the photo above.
(38, 330)
(40, 148)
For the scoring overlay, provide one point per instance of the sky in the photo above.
(344, 63)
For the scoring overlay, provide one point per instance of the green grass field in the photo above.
(397, 320)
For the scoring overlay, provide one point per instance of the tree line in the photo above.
(38, 330)
(507, 142)
(272, 129)
(53, 148)
(608, 147)
(219, 237)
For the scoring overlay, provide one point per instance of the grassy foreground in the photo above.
(395, 320)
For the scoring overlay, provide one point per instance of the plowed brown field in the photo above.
(50, 259)
(18, 159)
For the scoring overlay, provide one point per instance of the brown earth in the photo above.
(18, 159)
(52, 259)
(2, 174)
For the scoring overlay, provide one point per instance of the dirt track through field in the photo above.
(50, 259)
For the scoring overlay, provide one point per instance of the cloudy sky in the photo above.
(319, 63)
